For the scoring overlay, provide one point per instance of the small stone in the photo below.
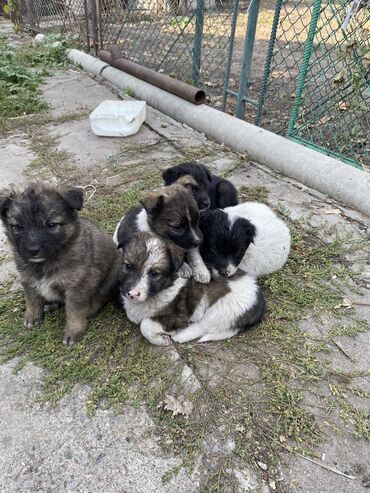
(272, 485)
(262, 466)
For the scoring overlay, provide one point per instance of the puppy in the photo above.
(61, 257)
(210, 191)
(248, 236)
(170, 213)
(167, 306)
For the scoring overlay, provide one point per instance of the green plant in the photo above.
(19, 84)
(52, 52)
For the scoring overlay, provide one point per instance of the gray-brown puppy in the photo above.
(61, 257)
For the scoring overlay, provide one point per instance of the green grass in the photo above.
(23, 69)
(266, 409)
(254, 387)
(250, 194)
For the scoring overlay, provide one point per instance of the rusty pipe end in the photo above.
(200, 97)
(115, 51)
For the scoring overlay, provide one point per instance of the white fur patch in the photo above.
(153, 331)
(136, 312)
(141, 224)
(271, 245)
(142, 221)
(115, 236)
(45, 289)
(200, 309)
(219, 319)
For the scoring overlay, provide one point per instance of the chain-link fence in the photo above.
(66, 16)
(318, 91)
(187, 40)
(308, 78)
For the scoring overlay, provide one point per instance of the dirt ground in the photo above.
(283, 407)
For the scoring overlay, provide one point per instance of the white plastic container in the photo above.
(118, 118)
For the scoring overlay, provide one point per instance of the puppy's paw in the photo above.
(30, 321)
(185, 271)
(70, 338)
(202, 275)
(161, 340)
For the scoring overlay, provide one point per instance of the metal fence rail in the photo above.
(297, 67)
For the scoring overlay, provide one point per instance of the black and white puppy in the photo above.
(210, 191)
(170, 213)
(170, 307)
(248, 236)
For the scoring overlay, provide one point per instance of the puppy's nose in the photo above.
(224, 273)
(196, 243)
(204, 205)
(134, 293)
(34, 250)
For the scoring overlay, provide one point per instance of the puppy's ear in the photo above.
(249, 230)
(188, 182)
(170, 175)
(123, 243)
(152, 203)
(208, 173)
(6, 197)
(177, 255)
(74, 196)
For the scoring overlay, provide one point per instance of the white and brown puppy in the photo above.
(167, 306)
(247, 236)
(170, 213)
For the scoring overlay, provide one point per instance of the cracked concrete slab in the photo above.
(59, 449)
(60, 93)
(15, 157)
(88, 149)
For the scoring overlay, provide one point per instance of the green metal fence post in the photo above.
(197, 48)
(247, 56)
(230, 53)
(304, 67)
(267, 68)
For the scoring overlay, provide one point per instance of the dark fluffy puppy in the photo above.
(60, 256)
(211, 191)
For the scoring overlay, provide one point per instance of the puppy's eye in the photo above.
(18, 227)
(154, 274)
(129, 267)
(53, 225)
(177, 228)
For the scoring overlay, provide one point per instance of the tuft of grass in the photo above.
(251, 194)
(52, 52)
(19, 84)
(113, 357)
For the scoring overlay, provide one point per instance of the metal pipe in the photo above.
(185, 91)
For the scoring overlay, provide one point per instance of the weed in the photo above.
(250, 194)
(19, 93)
(50, 53)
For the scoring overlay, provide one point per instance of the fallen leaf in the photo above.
(178, 405)
(343, 105)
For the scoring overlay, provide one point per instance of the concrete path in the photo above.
(62, 449)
